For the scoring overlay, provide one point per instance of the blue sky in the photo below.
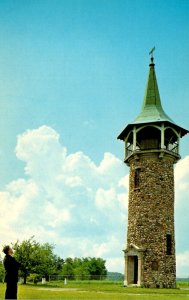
(73, 74)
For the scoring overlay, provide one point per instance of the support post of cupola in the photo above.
(134, 138)
(162, 136)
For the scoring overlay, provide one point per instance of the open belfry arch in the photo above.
(151, 150)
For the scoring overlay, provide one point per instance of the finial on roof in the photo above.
(152, 57)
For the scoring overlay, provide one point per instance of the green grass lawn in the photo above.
(95, 290)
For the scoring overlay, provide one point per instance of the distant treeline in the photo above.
(115, 276)
(182, 279)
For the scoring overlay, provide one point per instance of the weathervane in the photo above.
(151, 53)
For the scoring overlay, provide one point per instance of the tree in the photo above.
(68, 268)
(81, 269)
(2, 270)
(24, 254)
(44, 260)
(36, 258)
(84, 268)
(97, 268)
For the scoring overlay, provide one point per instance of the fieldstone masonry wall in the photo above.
(151, 218)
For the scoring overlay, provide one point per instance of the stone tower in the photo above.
(151, 150)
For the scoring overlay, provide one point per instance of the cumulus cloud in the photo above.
(182, 211)
(183, 264)
(65, 198)
(81, 207)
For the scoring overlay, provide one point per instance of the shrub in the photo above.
(35, 278)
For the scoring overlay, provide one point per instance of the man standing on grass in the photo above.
(11, 273)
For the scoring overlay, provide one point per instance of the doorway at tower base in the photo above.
(142, 269)
(133, 265)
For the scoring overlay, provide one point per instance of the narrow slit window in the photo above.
(137, 178)
(169, 244)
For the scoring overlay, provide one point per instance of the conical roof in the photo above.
(152, 110)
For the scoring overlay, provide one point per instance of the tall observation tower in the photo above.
(151, 150)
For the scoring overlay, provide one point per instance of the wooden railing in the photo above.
(170, 147)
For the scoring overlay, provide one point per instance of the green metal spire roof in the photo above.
(152, 110)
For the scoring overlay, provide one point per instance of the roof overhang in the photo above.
(130, 126)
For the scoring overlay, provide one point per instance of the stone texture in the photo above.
(151, 218)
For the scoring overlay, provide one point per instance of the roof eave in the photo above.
(124, 133)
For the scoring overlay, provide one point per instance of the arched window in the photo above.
(171, 140)
(149, 137)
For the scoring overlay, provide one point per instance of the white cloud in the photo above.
(66, 198)
(182, 171)
(106, 199)
(15, 200)
(56, 215)
(115, 264)
(181, 215)
(42, 152)
(182, 204)
(183, 264)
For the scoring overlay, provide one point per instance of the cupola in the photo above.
(152, 130)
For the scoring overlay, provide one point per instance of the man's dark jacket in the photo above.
(11, 268)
